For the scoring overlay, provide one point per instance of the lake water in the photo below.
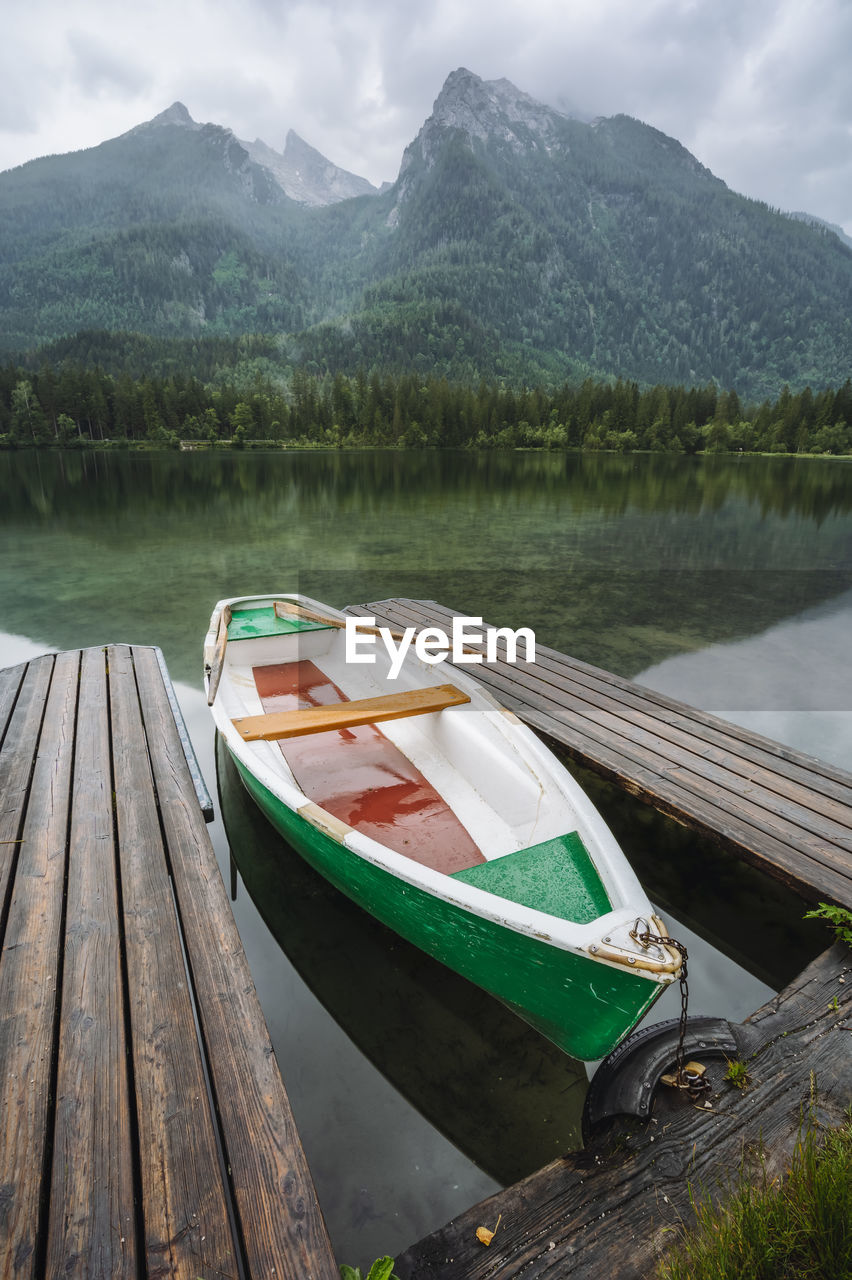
(725, 582)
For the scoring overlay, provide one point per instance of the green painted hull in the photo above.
(583, 1006)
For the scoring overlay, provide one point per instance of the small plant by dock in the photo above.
(737, 1074)
(382, 1269)
(837, 918)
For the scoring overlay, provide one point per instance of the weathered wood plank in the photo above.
(347, 715)
(92, 1229)
(821, 779)
(187, 1231)
(783, 811)
(11, 679)
(16, 766)
(29, 964)
(610, 1209)
(218, 666)
(202, 794)
(282, 1225)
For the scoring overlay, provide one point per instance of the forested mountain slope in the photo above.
(516, 242)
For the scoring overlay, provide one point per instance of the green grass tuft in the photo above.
(798, 1228)
(737, 1073)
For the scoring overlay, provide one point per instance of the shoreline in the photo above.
(307, 446)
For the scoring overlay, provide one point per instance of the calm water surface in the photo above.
(726, 582)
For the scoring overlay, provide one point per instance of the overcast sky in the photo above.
(759, 90)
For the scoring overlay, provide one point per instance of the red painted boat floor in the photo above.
(362, 778)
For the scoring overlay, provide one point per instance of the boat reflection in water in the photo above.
(499, 1091)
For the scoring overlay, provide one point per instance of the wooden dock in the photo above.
(783, 811)
(613, 1208)
(145, 1128)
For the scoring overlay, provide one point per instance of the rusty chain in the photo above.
(691, 1082)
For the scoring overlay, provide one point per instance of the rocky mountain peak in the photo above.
(305, 175)
(175, 114)
(484, 111)
(490, 108)
(296, 150)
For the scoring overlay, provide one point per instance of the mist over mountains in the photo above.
(516, 243)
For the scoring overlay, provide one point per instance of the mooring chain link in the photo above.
(695, 1084)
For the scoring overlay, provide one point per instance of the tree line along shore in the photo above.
(78, 406)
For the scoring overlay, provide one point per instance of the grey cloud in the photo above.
(224, 95)
(98, 70)
(18, 116)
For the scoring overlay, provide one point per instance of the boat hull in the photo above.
(584, 1006)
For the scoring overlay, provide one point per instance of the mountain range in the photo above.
(516, 242)
(302, 173)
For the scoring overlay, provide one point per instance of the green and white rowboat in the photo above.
(437, 811)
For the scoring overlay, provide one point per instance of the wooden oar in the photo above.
(219, 657)
(286, 608)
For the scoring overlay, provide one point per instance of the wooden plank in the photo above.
(719, 741)
(218, 665)
(16, 766)
(819, 840)
(202, 794)
(346, 715)
(281, 1222)
(667, 792)
(762, 795)
(187, 1230)
(28, 971)
(92, 1229)
(11, 679)
(713, 727)
(613, 1208)
(821, 777)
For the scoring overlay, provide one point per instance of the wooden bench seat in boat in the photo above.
(272, 726)
(357, 774)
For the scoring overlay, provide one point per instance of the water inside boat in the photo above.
(362, 778)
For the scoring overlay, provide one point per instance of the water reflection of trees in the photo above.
(77, 484)
(620, 561)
